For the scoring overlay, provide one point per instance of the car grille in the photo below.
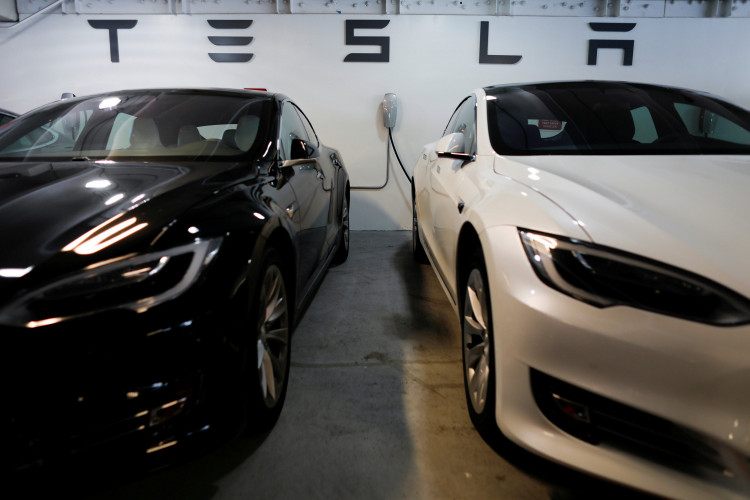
(602, 421)
(33, 442)
(50, 433)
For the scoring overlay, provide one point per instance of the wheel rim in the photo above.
(273, 336)
(345, 223)
(476, 341)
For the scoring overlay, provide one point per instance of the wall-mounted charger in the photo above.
(390, 107)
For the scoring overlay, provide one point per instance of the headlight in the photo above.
(605, 277)
(135, 282)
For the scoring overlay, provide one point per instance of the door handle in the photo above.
(291, 209)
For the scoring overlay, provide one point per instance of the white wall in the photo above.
(433, 64)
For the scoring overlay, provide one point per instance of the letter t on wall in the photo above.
(113, 26)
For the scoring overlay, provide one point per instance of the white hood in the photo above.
(689, 211)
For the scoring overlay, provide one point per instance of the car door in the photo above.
(327, 173)
(444, 178)
(308, 180)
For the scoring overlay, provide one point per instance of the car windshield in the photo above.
(612, 119)
(143, 125)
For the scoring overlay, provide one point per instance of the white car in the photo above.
(594, 240)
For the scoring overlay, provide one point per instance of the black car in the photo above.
(158, 247)
(6, 116)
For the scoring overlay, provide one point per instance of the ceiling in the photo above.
(14, 11)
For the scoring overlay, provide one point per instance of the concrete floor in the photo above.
(375, 407)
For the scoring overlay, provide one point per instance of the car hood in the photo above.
(689, 211)
(46, 206)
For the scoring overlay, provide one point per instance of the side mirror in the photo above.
(301, 150)
(452, 146)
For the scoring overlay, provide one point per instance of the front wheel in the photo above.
(342, 252)
(271, 348)
(477, 347)
(417, 249)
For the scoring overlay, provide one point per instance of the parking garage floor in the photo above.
(375, 407)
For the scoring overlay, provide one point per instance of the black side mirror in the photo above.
(301, 149)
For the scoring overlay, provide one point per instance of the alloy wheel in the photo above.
(476, 341)
(273, 336)
(345, 223)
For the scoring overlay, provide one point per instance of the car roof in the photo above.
(188, 90)
(600, 84)
(574, 83)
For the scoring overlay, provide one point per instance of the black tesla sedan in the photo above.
(6, 116)
(157, 249)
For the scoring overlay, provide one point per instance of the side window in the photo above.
(464, 120)
(291, 128)
(312, 137)
(452, 122)
(704, 123)
(61, 134)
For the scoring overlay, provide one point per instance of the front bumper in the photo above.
(131, 388)
(690, 375)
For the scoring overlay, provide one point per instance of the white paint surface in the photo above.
(433, 64)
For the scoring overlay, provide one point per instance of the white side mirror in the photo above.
(453, 146)
(451, 143)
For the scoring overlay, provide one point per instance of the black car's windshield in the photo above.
(144, 125)
(612, 118)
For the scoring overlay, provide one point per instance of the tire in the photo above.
(478, 349)
(417, 249)
(342, 252)
(269, 350)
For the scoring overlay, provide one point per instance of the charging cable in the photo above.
(390, 136)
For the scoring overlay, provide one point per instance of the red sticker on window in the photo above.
(550, 125)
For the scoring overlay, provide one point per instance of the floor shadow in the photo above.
(191, 474)
(564, 482)
(431, 317)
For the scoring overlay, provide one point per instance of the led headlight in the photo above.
(606, 277)
(135, 282)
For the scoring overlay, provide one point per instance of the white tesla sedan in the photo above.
(594, 240)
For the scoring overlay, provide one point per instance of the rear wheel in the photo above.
(477, 346)
(271, 348)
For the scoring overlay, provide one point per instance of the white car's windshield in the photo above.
(142, 125)
(613, 118)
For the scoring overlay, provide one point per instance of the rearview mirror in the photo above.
(707, 124)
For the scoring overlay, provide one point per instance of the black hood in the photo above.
(44, 207)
